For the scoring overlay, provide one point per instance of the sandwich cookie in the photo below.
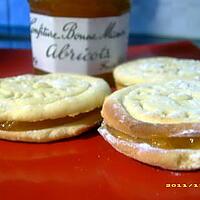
(156, 69)
(158, 124)
(49, 107)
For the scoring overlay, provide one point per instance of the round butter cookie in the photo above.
(43, 108)
(156, 69)
(156, 123)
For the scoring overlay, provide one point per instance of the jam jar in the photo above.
(79, 36)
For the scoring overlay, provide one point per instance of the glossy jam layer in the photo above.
(164, 143)
(26, 126)
(119, 85)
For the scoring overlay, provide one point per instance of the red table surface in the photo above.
(86, 167)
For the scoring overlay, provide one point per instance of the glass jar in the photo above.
(79, 36)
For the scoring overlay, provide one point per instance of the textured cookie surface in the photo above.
(156, 69)
(169, 102)
(173, 102)
(163, 109)
(36, 98)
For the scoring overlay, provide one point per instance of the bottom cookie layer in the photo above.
(172, 159)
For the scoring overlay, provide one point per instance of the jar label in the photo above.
(78, 45)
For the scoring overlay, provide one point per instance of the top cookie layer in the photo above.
(167, 109)
(170, 102)
(157, 69)
(52, 96)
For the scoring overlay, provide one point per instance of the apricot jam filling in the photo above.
(50, 123)
(164, 143)
(120, 86)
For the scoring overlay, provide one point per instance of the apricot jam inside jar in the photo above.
(79, 36)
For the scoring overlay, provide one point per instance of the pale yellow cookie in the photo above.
(156, 123)
(49, 107)
(156, 69)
